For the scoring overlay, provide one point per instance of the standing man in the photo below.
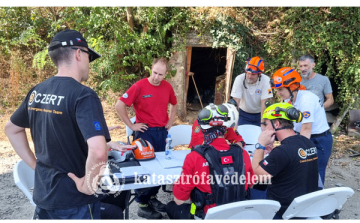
(314, 126)
(250, 91)
(292, 166)
(314, 82)
(150, 97)
(69, 131)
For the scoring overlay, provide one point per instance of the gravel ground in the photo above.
(14, 204)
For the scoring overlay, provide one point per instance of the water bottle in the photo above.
(168, 149)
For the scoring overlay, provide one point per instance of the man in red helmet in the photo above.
(250, 91)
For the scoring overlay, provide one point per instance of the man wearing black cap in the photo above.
(69, 132)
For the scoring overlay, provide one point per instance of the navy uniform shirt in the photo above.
(62, 115)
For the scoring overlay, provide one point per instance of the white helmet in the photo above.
(233, 113)
(213, 115)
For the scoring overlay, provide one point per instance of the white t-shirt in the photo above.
(250, 98)
(309, 104)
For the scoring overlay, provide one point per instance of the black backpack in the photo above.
(227, 171)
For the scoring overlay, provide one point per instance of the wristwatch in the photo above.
(259, 146)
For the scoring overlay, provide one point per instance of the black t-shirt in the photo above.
(294, 167)
(62, 115)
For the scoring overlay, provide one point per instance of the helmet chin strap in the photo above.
(285, 127)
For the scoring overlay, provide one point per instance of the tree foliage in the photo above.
(129, 38)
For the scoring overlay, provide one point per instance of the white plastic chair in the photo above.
(251, 209)
(180, 134)
(129, 132)
(318, 203)
(250, 133)
(24, 179)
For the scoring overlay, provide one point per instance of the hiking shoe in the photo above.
(146, 211)
(157, 205)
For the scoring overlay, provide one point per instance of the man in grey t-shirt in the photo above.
(314, 82)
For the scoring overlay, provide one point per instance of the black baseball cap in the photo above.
(69, 37)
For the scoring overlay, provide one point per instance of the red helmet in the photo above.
(255, 65)
(144, 150)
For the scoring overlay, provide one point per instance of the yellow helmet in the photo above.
(283, 110)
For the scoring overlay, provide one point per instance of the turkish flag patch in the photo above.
(226, 160)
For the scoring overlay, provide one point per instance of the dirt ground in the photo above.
(342, 171)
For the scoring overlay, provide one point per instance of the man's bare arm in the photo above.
(18, 139)
(171, 116)
(95, 163)
(120, 108)
(329, 100)
(306, 130)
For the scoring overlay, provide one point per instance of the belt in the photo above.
(156, 128)
(320, 134)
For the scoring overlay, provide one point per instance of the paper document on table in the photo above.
(129, 172)
(177, 159)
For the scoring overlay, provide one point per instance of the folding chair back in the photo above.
(24, 179)
(318, 203)
(180, 134)
(250, 133)
(251, 209)
(129, 132)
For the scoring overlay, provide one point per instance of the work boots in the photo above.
(152, 209)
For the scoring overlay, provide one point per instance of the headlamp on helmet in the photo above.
(213, 115)
(233, 114)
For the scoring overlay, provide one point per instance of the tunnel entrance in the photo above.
(209, 68)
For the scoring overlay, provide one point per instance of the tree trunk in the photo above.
(339, 119)
(130, 17)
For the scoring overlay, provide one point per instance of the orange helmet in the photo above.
(255, 65)
(144, 150)
(286, 77)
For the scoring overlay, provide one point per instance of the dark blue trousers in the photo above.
(249, 118)
(156, 136)
(88, 211)
(324, 147)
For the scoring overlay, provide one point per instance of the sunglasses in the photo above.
(75, 48)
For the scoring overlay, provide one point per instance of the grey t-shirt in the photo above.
(319, 85)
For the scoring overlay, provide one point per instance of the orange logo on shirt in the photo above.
(302, 153)
(306, 114)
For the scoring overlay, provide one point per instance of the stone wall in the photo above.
(178, 61)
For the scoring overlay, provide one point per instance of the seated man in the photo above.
(207, 167)
(290, 167)
(231, 135)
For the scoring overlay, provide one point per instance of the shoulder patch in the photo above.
(269, 91)
(197, 129)
(125, 95)
(306, 114)
(97, 125)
